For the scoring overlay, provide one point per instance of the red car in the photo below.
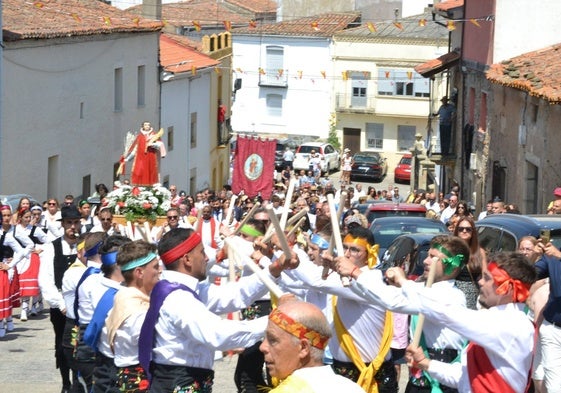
(403, 170)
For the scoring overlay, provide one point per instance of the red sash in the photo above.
(483, 377)
(212, 231)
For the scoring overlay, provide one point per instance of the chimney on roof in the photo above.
(152, 9)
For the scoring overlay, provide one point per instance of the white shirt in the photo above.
(447, 213)
(363, 320)
(370, 285)
(188, 334)
(47, 274)
(504, 331)
(89, 294)
(19, 251)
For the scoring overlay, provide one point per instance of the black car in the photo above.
(501, 232)
(408, 252)
(282, 144)
(386, 229)
(368, 165)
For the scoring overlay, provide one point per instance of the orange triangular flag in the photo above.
(197, 25)
(107, 20)
(193, 70)
(280, 71)
(299, 74)
(322, 74)
(371, 26)
(475, 22)
(217, 70)
(422, 22)
(315, 26)
(344, 75)
(387, 73)
(136, 21)
(451, 25)
(409, 75)
(76, 17)
(261, 71)
(227, 25)
(38, 4)
(398, 25)
(252, 24)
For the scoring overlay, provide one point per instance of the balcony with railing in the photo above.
(273, 78)
(349, 103)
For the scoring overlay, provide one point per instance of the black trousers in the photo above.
(58, 320)
(166, 379)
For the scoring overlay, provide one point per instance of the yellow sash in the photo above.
(366, 379)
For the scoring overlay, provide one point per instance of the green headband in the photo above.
(139, 262)
(451, 261)
(250, 231)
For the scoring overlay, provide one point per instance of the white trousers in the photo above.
(550, 339)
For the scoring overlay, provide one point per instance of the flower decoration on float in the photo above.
(137, 203)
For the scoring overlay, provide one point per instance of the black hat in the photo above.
(70, 212)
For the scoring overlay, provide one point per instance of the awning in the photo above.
(439, 64)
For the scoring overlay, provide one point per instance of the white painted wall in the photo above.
(182, 96)
(523, 26)
(46, 83)
(306, 101)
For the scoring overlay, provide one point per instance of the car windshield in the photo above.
(385, 234)
(405, 161)
(308, 149)
(367, 158)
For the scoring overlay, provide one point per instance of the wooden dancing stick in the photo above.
(230, 209)
(247, 217)
(280, 232)
(325, 272)
(297, 216)
(140, 230)
(421, 320)
(129, 231)
(148, 232)
(287, 202)
(296, 226)
(337, 233)
(265, 279)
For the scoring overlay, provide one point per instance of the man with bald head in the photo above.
(296, 336)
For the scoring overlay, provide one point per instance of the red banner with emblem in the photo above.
(254, 166)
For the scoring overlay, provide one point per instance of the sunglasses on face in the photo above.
(465, 229)
(172, 217)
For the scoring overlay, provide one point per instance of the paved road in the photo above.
(27, 362)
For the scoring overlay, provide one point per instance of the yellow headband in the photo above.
(296, 329)
(371, 250)
(81, 245)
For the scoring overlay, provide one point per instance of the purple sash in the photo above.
(146, 340)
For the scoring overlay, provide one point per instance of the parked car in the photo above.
(408, 252)
(368, 166)
(384, 209)
(330, 159)
(402, 173)
(13, 200)
(282, 144)
(502, 232)
(387, 229)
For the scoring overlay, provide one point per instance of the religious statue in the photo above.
(144, 150)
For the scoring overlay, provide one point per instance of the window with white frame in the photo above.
(375, 135)
(274, 67)
(359, 83)
(274, 105)
(405, 137)
(393, 82)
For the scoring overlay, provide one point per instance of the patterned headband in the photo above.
(298, 330)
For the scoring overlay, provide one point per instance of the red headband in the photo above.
(5, 207)
(181, 249)
(520, 291)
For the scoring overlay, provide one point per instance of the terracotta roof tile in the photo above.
(324, 25)
(437, 65)
(448, 5)
(206, 12)
(538, 73)
(176, 55)
(255, 5)
(63, 18)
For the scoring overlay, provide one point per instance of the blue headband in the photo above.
(109, 258)
(319, 241)
(94, 250)
(139, 262)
